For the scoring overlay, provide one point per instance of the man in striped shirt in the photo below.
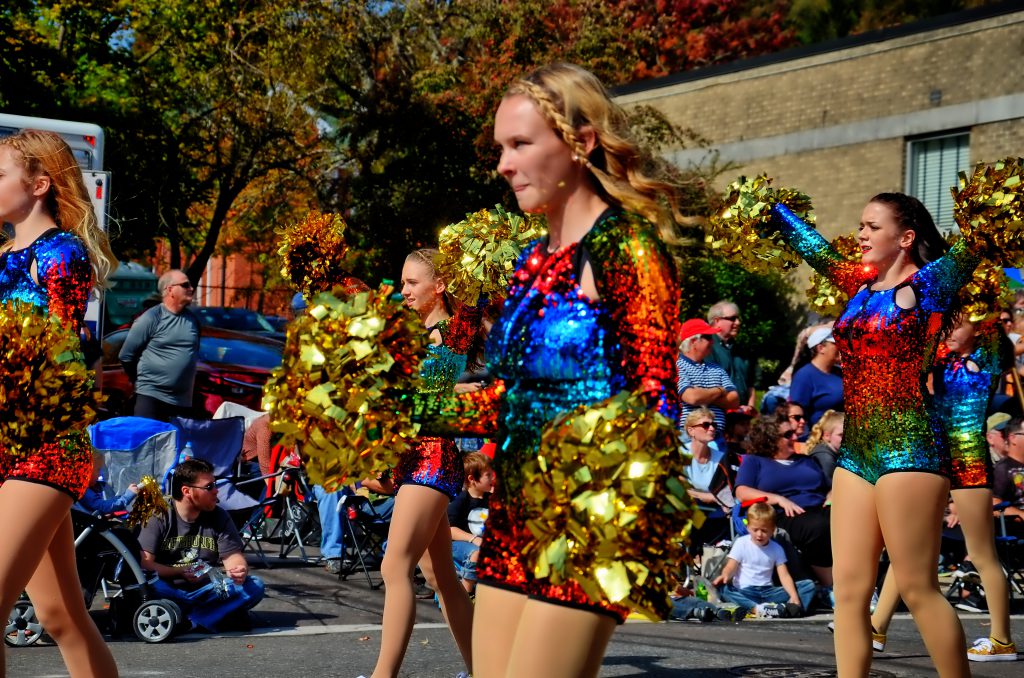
(701, 382)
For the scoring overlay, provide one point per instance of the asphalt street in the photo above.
(313, 624)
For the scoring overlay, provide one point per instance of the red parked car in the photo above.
(233, 366)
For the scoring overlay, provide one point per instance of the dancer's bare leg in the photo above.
(554, 641)
(856, 546)
(439, 569)
(910, 506)
(414, 524)
(37, 554)
(974, 506)
(495, 621)
(888, 601)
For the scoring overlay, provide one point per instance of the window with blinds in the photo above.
(932, 166)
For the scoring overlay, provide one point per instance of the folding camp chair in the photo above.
(365, 533)
(288, 508)
(134, 447)
(219, 442)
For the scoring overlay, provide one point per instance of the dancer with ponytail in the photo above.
(428, 477)
(56, 257)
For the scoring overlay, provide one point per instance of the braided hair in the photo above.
(570, 97)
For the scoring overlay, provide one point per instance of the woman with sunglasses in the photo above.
(795, 485)
(57, 255)
(707, 480)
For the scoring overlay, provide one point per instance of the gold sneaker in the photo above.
(991, 650)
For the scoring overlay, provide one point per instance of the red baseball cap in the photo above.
(693, 327)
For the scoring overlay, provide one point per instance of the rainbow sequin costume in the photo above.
(963, 387)
(65, 280)
(891, 422)
(435, 461)
(554, 349)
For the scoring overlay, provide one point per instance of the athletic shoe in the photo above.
(730, 612)
(974, 602)
(877, 639)
(991, 650)
(770, 610)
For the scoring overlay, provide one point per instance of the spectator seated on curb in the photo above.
(467, 514)
(747, 577)
(182, 544)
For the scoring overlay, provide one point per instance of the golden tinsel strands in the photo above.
(744, 231)
(314, 253)
(989, 209)
(45, 389)
(605, 505)
(337, 394)
(149, 503)
(479, 253)
(825, 298)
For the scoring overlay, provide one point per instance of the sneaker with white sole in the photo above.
(991, 650)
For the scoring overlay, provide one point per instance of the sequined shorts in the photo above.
(500, 565)
(432, 462)
(879, 462)
(68, 469)
(971, 468)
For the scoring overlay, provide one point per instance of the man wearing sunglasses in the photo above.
(193, 532)
(724, 316)
(161, 350)
(1008, 477)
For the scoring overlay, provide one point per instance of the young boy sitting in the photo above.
(467, 514)
(747, 577)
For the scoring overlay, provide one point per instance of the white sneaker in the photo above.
(991, 650)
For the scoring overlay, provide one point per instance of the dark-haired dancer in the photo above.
(56, 256)
(892, 479)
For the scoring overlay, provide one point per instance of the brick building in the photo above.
(901, 109)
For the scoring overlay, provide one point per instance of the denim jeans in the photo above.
(750, 596)
(204, 607)
(332, 535)
(462, 551)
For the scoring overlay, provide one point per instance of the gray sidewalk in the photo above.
(312, 624)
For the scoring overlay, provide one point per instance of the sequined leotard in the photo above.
(435, 461)
(887, 351)
(963, 387)
(554, 348)
(65, 280)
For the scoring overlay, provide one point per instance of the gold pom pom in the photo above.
(743, 232)
(606, 506)
(337, 393)
(987, 291)
(478, 254)
(989, 209)
(825, 298)
(315, 254)
(45, 389)
(149, 502)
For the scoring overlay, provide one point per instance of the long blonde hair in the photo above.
(67, 201)
(570, 97)
(827, 424)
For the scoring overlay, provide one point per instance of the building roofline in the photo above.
(881, 35)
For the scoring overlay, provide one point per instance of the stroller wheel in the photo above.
(23, 627)
(155, 620)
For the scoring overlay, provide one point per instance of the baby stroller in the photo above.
(107, 555)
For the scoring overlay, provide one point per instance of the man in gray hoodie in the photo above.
(161, 350)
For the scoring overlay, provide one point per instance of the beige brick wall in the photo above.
(967, 62)
(997, 140)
